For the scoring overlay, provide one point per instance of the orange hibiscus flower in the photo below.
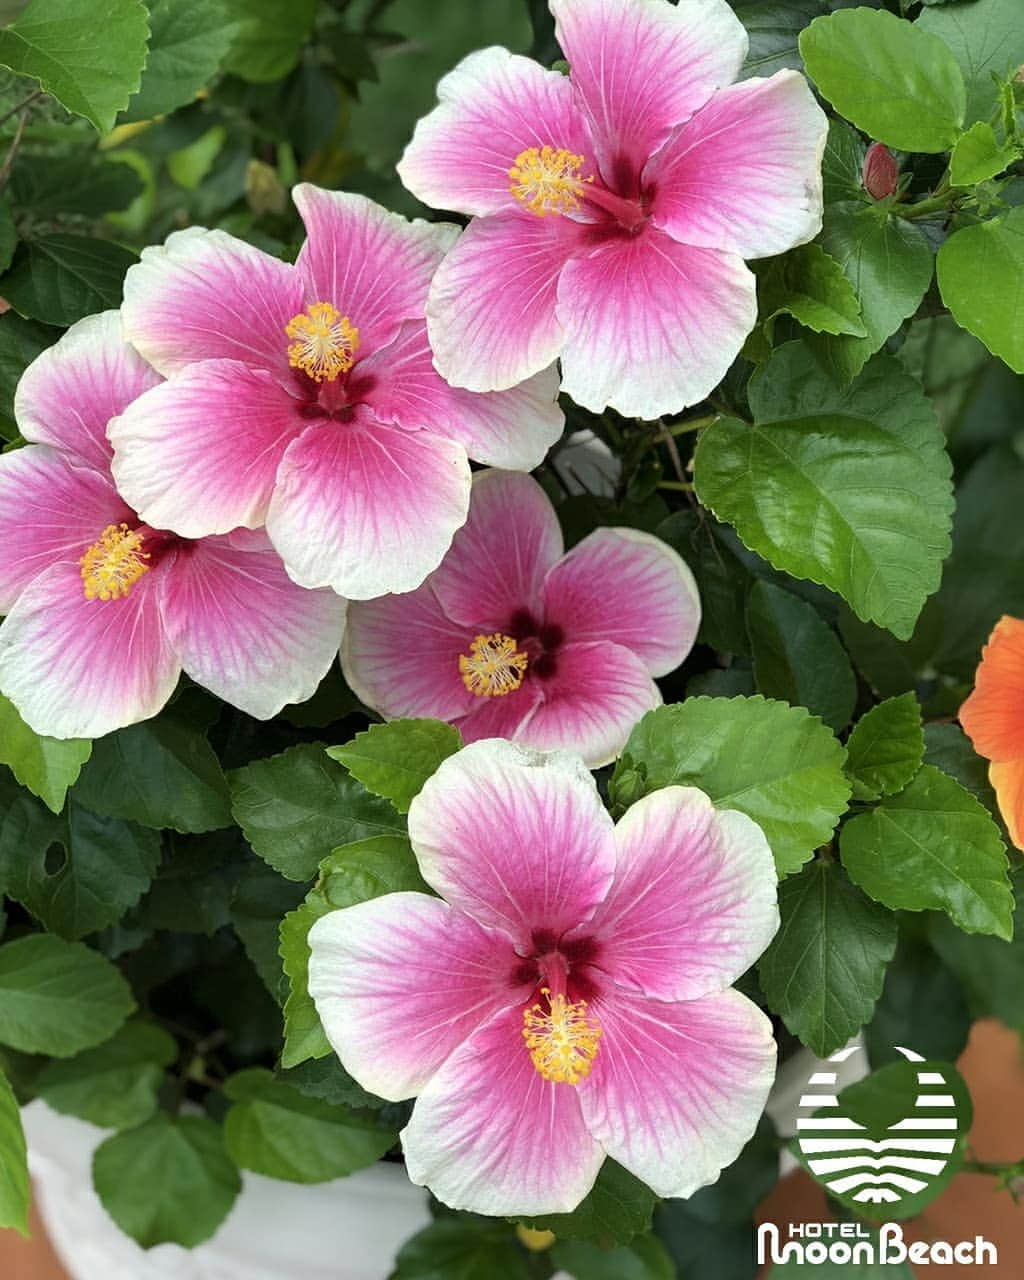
(993, 717)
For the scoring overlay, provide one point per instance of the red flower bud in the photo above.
(881, 172)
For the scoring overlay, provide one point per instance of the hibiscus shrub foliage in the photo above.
(847, 495)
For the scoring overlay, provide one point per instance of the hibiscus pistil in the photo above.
(547, 180)
(114, 563)
(562, 1039)
(325, 342)
(493, 667)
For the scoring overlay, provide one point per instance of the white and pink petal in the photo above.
(373, 265)
(199, 453)
(69, 393)
(491, 108)
(694, 901)
(517, 839)
(677, 1088)
(651, 325)
(205, 295)
(80, 668)
(490, 1135)
(367, 509)
(626, 587)
(400, 982)
(744, 175)
(241, 626)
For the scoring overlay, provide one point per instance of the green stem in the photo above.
(692, 424)
(677, 486)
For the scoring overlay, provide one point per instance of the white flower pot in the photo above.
(350, 1229)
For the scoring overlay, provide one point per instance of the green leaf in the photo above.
(850, 488)
(354, 873)
(58, 997)
(987, 38)
(394, 760)
(193, 890)
(60, 278)
(644, 1259)
(76, 872)
(114, 1085)
(885, 748)
(810, 286)
(47, 766)
(294, 808)
(773, 27)
(462, 1248)
(824, 970)
(933, 847)
(894, 81)
(978, 156)
(90, 57)
(921, 1005)
(169, 1180)
(274, 1130)
(8, 235)
(779, 765)
(162, 773)
(14, 1185)
(190, 39)
(20, 342)
(842, 165)
(797, 657)
(889, 263)
(618, 1208)
(948, 748)
(990, 971)
(980, 270)
(261, 898)
(80, 183)
(269, 36)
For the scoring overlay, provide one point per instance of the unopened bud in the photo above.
(881, 172)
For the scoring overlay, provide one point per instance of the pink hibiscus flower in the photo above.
(104, 611)
(511, 638)
(304, 398)
(614, 206)
(567, 997)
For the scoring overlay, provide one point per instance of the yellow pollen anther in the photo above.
(325, 342)
(562, 1039)
(114, 563)
(493, 667)
(547, 180)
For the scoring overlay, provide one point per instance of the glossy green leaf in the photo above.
(987, 40)
(89, 56)
(990, 970)
(168, 1181)
(773, 27)
(395, 759)
(921, 1005)
(643, 1259)
(21, 341)
(933, 847)
(47, 766)
(809, 285)
(797, 657)
(894, 81)
(161, 773)
(277, 1131)
(850, 488)
(116, 1084)
(189, 41)
(825, 967)
(842, 165)
(888, 261)
(61, 278)
(58, 997)
(80, 183)
(462, 1248)
(617, 1209)
(778, 764)
(978, 156)
(76, 872)
(15, 1192)
(268, 38)
(980, 269)
(294, 808)
(885, 749)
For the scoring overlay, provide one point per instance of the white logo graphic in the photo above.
(845, 1160)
